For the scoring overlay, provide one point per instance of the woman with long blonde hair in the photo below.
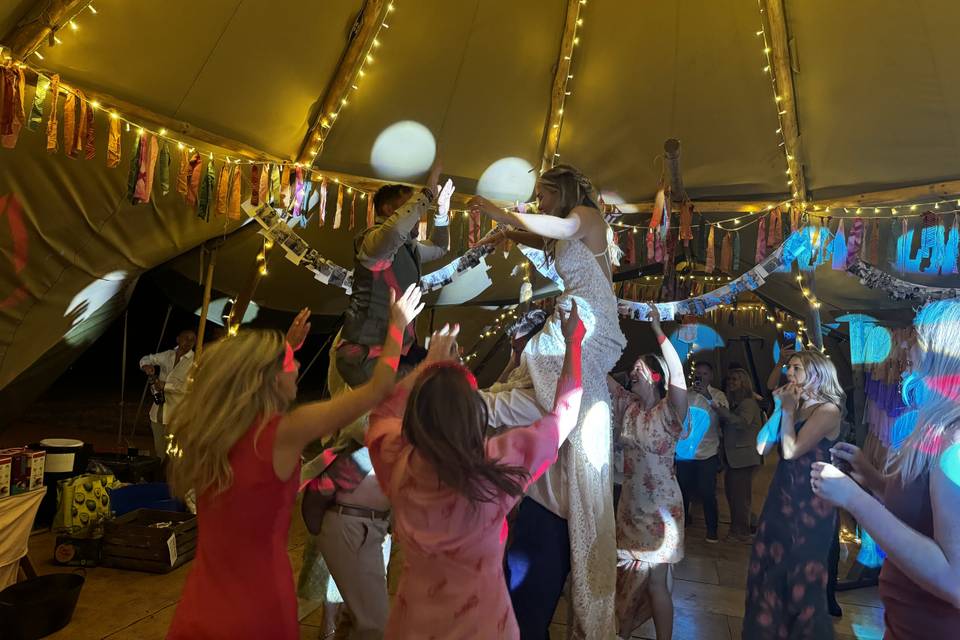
(913, 513)
(238, 445)
(787, 575)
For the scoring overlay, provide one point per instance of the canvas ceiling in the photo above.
(877, 87)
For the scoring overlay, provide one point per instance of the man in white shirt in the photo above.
(170, 370)
(698, 455)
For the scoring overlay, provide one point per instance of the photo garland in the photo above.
(274, 226)
(874, 278)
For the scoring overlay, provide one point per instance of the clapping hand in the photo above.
(299, 329)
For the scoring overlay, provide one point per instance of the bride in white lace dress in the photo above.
(579, 486)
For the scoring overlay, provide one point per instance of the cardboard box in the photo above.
(26, 473)
(6, 465)
(77, 552)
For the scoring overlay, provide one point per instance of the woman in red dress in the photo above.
(238, 447)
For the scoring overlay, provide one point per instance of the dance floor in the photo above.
(708, 593)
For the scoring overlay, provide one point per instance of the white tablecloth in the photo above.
(17, 513)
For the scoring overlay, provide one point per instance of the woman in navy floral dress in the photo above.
(787, 575)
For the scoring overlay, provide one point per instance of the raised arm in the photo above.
(315, 420)
(571, 227)
(773, 380)
(932, 563)
(566, 401)
(439, 242)
(381, 243)
(677, 392)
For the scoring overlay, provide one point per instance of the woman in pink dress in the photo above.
(649, 419)
(451, 489)
(238, 446)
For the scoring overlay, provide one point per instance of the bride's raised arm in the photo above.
(571, 227)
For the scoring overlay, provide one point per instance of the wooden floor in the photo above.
(708, 593)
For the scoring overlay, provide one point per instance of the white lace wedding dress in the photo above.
(580, 483)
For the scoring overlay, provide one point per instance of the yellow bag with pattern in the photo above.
(83, 503)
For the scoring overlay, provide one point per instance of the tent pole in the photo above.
(207, 287)
(246, 294)
(359, 41)
(28, 37)
(123, 372)
(551, 132)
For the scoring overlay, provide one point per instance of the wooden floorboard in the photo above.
(708, 593)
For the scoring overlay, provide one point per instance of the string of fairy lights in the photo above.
(557, 118)
(793, 168)
(366, 60)
(72, 23)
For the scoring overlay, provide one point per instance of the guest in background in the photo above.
(649, 419)
(787, 575)
(741, 424)
(697, 471)
(168, 371)
(912, 512)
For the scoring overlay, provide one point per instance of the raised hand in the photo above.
(443, 201)
(299, 329)
(479, 204)
(408, 307)
(572, 326)
(443, 345)
(789, 396)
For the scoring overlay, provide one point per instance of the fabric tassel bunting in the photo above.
(263, 188)
(631, 247)
(839, 262)
(854, 241)
(338, 214)
(298, 193)
(134, 170)
(873, 245)
(892, 241)
(736, 252)
(353, 211)
(903, 247)
(223, 189)
(69, 122)
(952, 249)
(149, 151)
(932, 239)
(761, 240)
(371, 217)
(80, 131)
(194, 176)
(39, 96)
(775, 228)
(726, 253)
(113, 144)
(323, 202)
(473, 235)
(650, 251)
(284, 193)
(52, 123)
(162, 175)
(274, 188)
(208, 191)
(710, 261)
(12, 115)
(233, 202)
(183, 172)
(90, 141)
(255, 171)
(686, 222)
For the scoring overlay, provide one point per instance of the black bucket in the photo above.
(39, 606)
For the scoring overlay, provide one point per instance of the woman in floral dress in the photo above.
(650, 513)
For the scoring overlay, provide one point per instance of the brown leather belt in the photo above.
(361, 512)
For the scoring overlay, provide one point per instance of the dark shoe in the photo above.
(712, 539)
(835, 609)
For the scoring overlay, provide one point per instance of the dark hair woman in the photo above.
(451, 489)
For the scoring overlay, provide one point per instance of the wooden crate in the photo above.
(132, 541)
